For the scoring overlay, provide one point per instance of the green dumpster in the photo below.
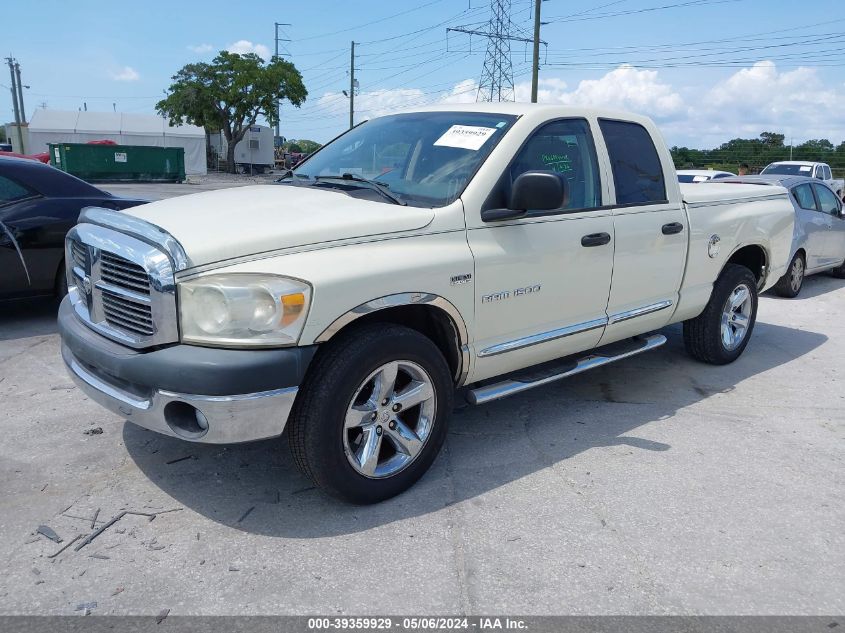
(119, 163)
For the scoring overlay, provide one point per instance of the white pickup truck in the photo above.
(476, 250)
(820, 171)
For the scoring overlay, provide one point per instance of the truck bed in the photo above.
(715, 192)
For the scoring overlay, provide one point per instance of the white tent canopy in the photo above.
(57, 126)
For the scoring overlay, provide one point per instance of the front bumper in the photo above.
(216, 396)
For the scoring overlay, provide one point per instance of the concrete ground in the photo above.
(654, 486)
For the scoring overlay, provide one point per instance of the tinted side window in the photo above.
(827, 199)
(804, 196)
(565, 147)
(637, 171)
(827, 174)
(11, 191)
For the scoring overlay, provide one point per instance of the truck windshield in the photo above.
(788, 170)
(421, 158)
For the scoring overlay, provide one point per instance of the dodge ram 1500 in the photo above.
(477, 250)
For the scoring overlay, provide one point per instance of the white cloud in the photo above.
(797, 103)
(201, 48)
(127, 73)
(761, 98)
(373, 104)
(463, 92)
(624, 88)
(245, 46)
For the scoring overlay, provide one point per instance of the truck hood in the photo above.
(217, 225)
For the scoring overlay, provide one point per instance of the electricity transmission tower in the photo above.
(496, 82)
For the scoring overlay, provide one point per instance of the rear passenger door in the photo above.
(651, 233)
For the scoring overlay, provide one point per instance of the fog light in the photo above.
(185, 420)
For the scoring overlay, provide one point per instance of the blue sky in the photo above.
(706, 70)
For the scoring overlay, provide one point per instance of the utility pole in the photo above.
(352, 87)
(276, 56)
(535, 60)
(20, 91)
(11, 62)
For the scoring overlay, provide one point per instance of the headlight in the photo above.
(243, 309)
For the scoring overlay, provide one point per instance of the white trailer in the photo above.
(253, 153)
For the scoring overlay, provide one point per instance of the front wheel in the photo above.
(372, 413)
(719, 334)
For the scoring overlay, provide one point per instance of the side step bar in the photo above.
(517, 383)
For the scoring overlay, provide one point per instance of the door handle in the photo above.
(595, 239)
(672, 228)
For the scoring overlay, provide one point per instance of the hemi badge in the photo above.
(461, 279)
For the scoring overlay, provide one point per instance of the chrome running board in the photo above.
(535, 377)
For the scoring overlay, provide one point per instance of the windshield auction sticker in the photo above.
(465, 136)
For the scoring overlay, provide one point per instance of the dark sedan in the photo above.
(38, 206)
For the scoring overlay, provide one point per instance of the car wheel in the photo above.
(720, 334)
(60, 286)
(372, 413)
(790, 284)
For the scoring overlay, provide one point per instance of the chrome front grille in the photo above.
(125, 314)
(79, 255)
(121, 272)
(121, 286)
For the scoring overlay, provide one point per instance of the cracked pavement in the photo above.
(657, 485)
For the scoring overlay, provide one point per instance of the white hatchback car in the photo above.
(701, 175)
(818, 241)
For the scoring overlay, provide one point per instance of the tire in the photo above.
(703, 336)
(340, 415)
(60, 286)
(790, 284)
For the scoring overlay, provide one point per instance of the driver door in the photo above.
(541, 287)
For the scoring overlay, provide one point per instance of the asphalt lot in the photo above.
(195, 184)
(657, 485)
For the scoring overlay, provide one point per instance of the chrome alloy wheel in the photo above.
(736, 317)
(389, 419)
(796, 274)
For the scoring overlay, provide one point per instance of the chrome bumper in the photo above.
(227, 419)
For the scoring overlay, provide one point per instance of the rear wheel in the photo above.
(790, 284)
(372, 414)
(719, 334)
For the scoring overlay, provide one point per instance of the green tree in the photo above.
(308, 146)
(230, 93)
(295, 148)
(772, 139)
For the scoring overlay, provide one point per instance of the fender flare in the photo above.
(406, 299)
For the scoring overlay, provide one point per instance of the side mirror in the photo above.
(532, 191)
(539, 191)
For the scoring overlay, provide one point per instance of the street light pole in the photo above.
(15, 101)
(276, 56)
(352, 87)
(535, 62)
(20, 91)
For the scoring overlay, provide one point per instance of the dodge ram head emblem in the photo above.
(86, 285)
